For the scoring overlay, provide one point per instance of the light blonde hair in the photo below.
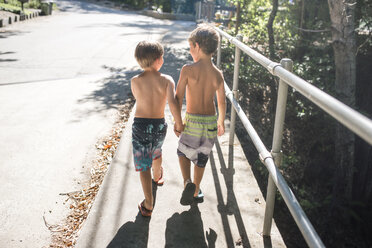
(147, 52)
(206, 37)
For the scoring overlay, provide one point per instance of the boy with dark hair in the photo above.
(201, 81)
(151, 90)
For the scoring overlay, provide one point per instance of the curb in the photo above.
(13, 18)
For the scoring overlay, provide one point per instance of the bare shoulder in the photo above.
(167, 78)
(218, 74)
(187, 69)
(135, 78)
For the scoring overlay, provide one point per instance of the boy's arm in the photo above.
(173, 106)
(181, 87)
(132, 87)
(221, 103)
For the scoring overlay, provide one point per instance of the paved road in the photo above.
(61, 78)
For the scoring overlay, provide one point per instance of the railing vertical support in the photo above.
(276, 146)
(198, 10)
(235, 91)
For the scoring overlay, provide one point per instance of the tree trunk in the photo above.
(237, 24)
(344, 47)
(270, 29)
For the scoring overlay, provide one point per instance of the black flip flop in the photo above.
(144, 211)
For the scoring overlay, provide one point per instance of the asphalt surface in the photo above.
(62, 78)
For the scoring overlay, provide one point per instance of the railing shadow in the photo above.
(231, 207)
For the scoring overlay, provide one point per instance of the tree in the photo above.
(270, 29)
(344, 47)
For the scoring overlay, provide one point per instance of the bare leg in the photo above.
(185, 168)
(156, 167)
(198, 176)
(146, 182)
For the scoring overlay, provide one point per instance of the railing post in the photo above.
(276, 146)
(235, 90)
(198, 10)
(219, 52)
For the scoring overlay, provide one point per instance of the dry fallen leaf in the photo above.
(65, 235)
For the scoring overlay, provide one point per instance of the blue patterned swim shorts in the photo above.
(147, 139)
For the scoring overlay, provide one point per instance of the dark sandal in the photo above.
(144, 211)
(160, 181)
(188, 194)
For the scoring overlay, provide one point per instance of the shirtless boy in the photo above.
(201, 81)
(151, 90)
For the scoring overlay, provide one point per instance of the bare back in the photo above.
(203, 80)
(150, 90)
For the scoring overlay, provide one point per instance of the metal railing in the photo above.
(353, 120)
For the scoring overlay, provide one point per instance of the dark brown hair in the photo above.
(206, 37)
(147, 52)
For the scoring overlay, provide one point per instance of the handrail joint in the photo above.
(271, 67)
(264, 155)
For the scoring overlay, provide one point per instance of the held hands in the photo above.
(178, 128)
(220, 128)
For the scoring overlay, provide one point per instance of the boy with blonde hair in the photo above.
(151, 90)
(201, 81)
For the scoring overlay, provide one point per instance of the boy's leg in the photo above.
(185, 169)
(189, 187)
(156, 166)
(146, 182)
(198, 176)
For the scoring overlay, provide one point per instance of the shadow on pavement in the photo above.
(8, 60)
(174, 59)
(7, 33)
(134, 234)
(231, 207)
(186, 230)
(113, 91)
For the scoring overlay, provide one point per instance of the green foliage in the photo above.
(14, 9)
(164, 5)
(14, 6)
(183, 6)
(300, 34)
(313, 62)
(137, 4)
(261, 168)
(33, 4)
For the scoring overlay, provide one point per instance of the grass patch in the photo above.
(13, 9)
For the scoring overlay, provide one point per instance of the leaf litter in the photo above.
(81, 201)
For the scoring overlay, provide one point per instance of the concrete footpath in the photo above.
(230, 216)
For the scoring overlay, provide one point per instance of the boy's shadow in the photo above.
(134, 234)
(186, 230)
